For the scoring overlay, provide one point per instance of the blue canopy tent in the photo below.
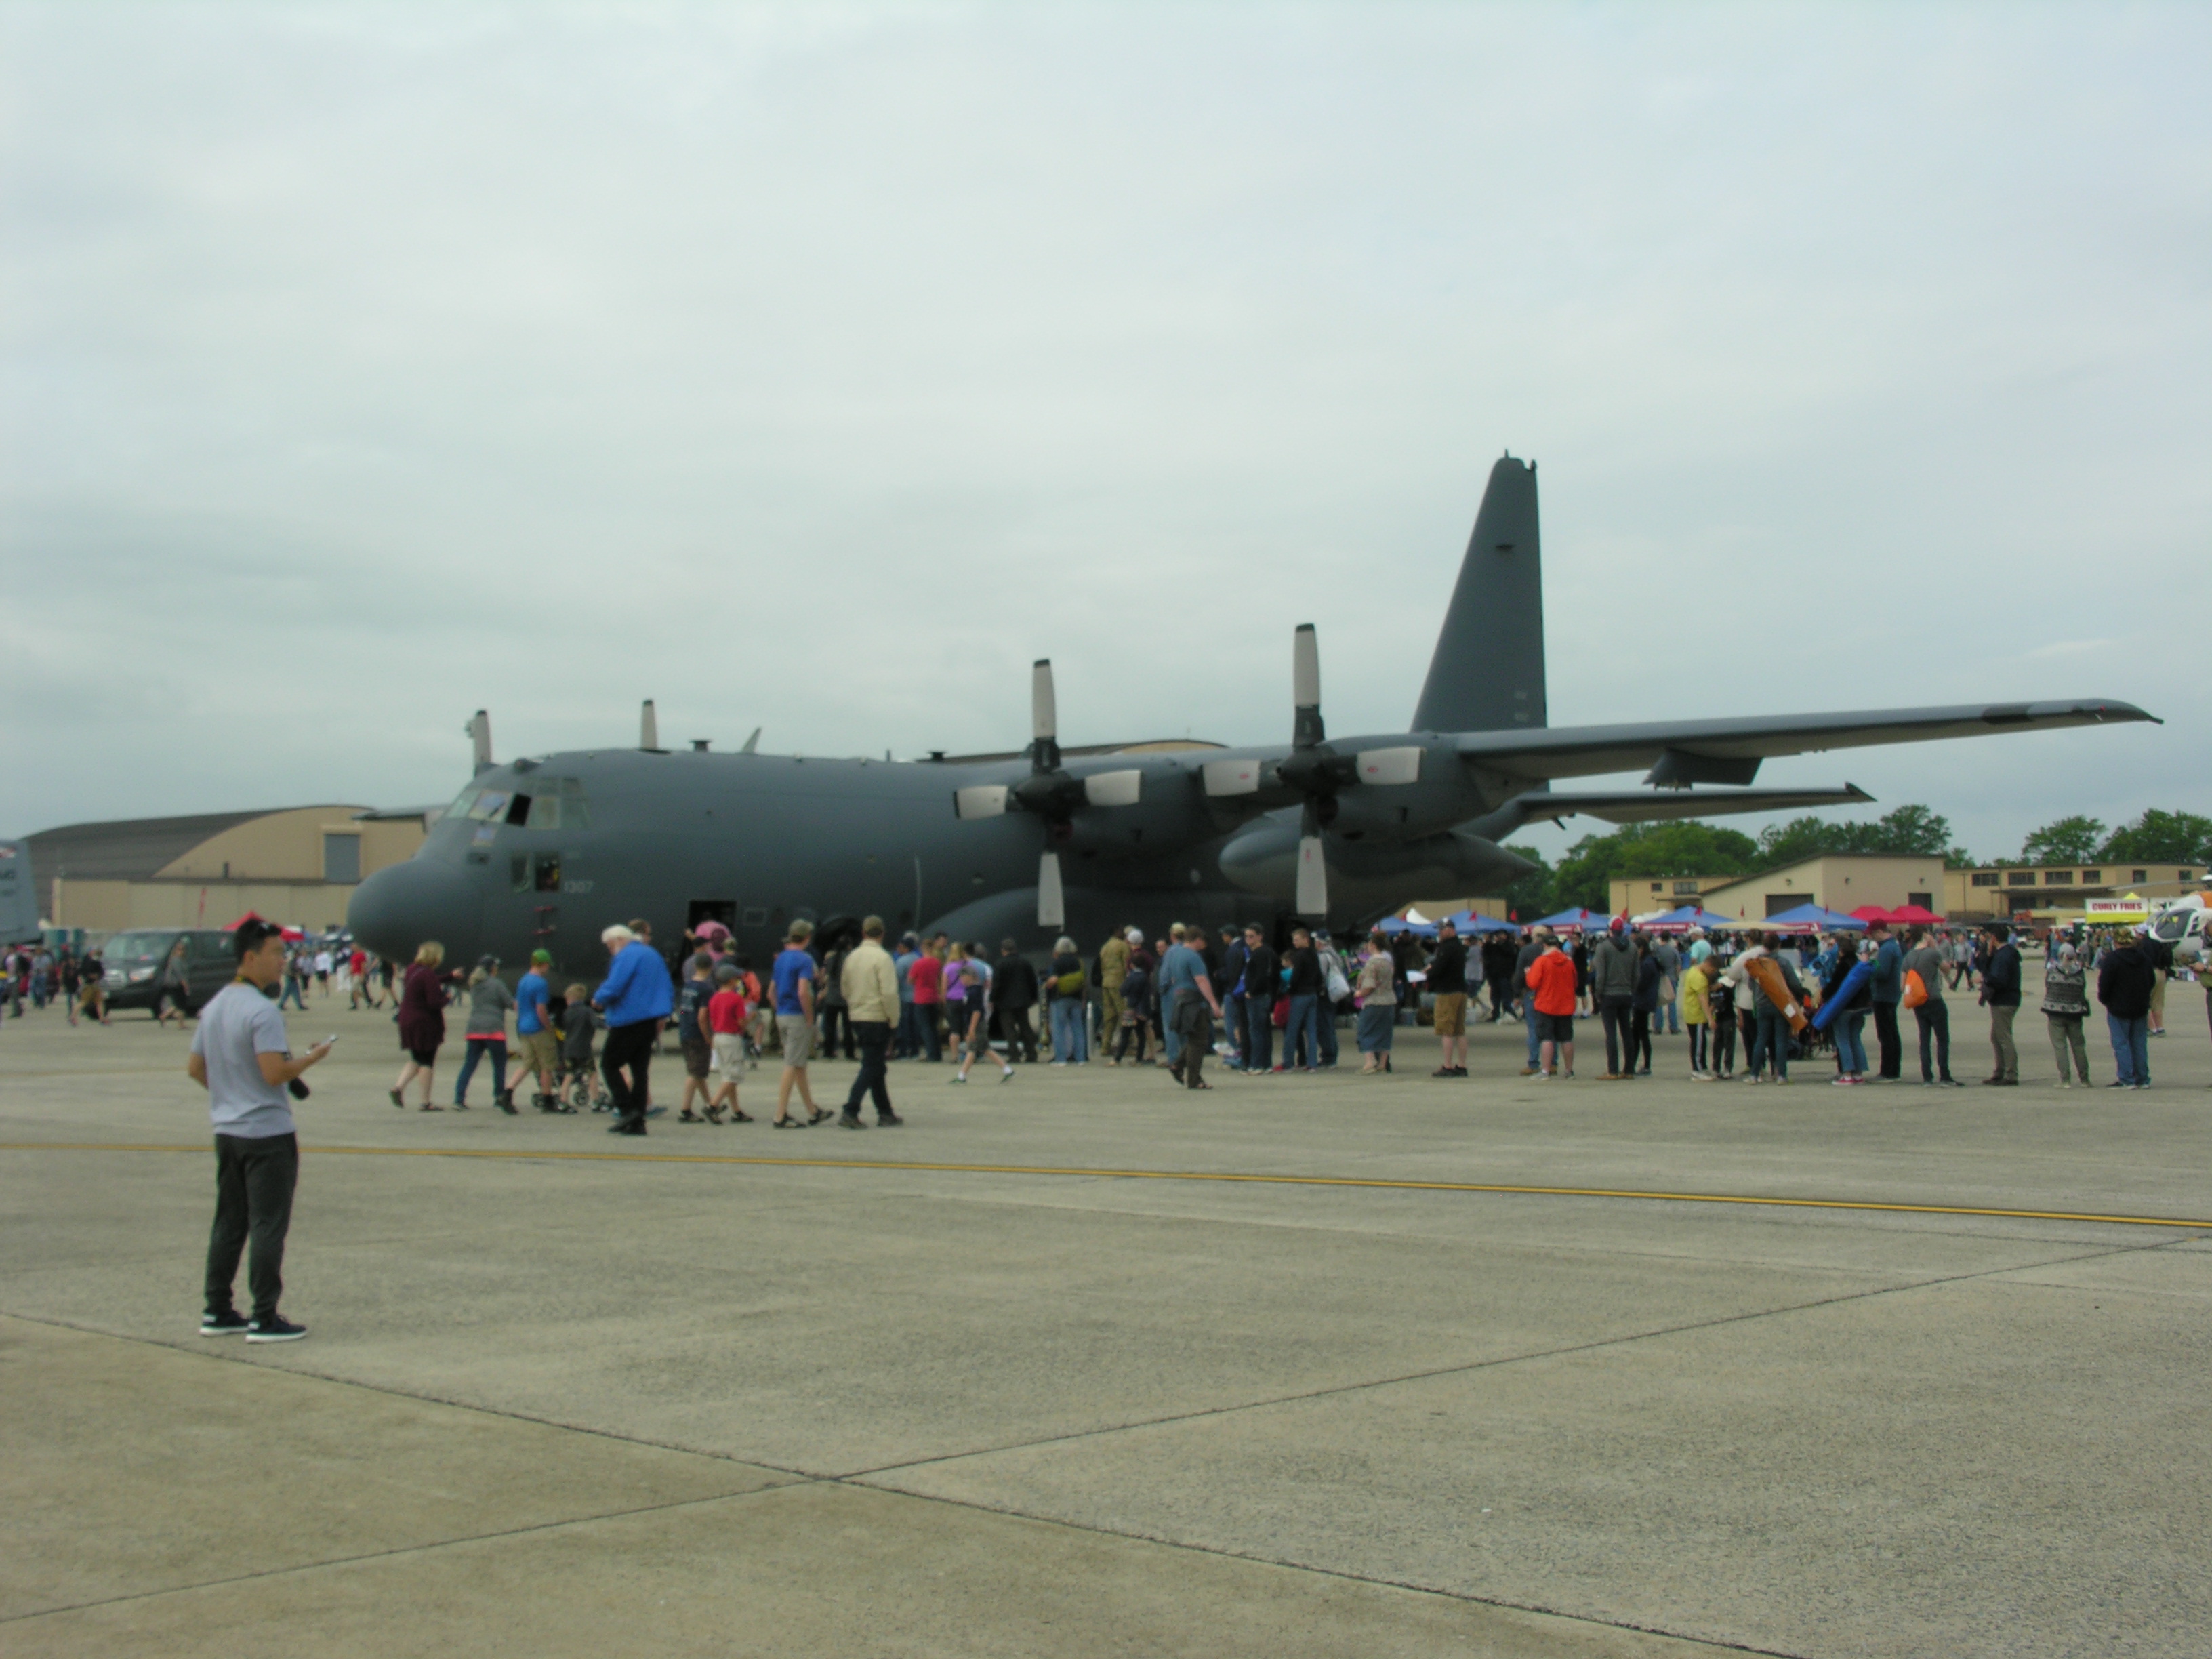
(1589, 920)
(1393, 926)
(1472, 921)
(1810, 918)
(1691, 916)
(1701, 917)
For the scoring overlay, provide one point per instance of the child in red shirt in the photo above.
(726, 1014)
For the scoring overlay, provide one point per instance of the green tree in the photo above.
(1690, 848)
(1911, 831)
(2068, 841)
(2157, 837)
(1530, 896)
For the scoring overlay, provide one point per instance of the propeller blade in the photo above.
(1305, 687)
(1313, 878)
(980, 800)
(1052, 904)
(1113, 788)
(1389, 766)
(1044, 709)
(1232, 777)
(648, 728)
(480, 730)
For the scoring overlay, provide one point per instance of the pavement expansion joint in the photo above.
(1412, 1586)
(421, 1547)
(220, 1356)
(1429, 1373)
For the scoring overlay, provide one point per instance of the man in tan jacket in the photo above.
(870, 983)
(1113, 968)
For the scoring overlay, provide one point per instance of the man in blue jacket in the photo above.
(1888, 989)
(635, 997)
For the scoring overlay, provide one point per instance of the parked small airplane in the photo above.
(547, 851)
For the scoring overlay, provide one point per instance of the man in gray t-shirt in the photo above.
(242, 1058)
(1932, 1015)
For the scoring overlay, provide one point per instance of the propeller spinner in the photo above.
(1315, 769)
(1050, 792)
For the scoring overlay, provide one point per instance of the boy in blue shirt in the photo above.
(795, 975)
(534, 1030)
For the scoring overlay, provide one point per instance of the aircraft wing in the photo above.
(1656, 806)
(1683, 752)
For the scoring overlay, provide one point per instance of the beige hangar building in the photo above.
(298, 864)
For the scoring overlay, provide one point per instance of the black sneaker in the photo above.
(229, 1322)
(275, 1328)
(847, 1121)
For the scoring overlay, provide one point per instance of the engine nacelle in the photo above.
(1369, 878)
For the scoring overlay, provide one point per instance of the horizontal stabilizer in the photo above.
(1567, 751)
(1656, 806)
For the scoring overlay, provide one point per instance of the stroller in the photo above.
(579, 1084)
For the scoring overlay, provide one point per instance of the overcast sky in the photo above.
(816, 369)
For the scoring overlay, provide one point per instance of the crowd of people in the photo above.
(1812, 996)
(1231, 993)
(44, 976)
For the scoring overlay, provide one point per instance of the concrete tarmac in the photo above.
(570, 1395)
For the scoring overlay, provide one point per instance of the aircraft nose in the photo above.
(400, 907)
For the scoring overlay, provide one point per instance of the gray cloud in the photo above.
(817, 368)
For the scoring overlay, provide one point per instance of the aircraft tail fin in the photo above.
(1487, 674)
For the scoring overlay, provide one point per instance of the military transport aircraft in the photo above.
(1027, 845)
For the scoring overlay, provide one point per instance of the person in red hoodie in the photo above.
(1552, 984)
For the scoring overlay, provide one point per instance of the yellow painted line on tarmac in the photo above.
(1073, 1172)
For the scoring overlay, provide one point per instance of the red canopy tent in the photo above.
(1915, 915)
(1873, 913)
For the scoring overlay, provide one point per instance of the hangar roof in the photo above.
(133, 849)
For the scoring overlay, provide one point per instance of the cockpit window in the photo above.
(559, 804)
(2172, 927)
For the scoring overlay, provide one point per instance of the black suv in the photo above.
(135, 961)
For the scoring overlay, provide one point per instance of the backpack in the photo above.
(1916, 988)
